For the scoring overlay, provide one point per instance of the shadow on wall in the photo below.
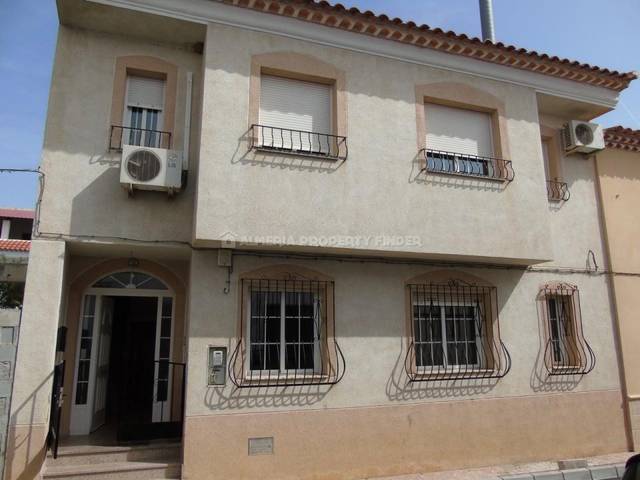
(104, 208)
(26, 453)
(400, 388)
(254, 158)
(218, 398)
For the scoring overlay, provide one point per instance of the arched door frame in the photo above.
(81, 415)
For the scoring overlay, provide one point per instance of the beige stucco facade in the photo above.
(619, 180)
(374, 421)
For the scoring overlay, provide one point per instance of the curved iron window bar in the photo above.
(287, 335)
(298, 142)
(566, 350)
(558, 191)
(141, 137)
(452, 163)
(455, 333)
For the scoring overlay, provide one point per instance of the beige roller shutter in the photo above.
(458, 130)
(296, 105)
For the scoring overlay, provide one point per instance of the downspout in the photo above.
(486, 18)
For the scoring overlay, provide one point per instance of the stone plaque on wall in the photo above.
(261, 446)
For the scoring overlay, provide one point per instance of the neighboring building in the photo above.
(370, 261)
(618, 170)
(15, 241)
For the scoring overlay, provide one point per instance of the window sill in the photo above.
(278, 380)
(565, 370)
(454, 374)
(467, 175)
(296, 153)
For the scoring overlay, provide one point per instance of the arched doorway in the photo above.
(125, 380)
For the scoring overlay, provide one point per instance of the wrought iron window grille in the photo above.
(287, 334)
(141, 137)
(452, 163)
(566, 351)
(454, 333)
(298, 142)
(558, 191)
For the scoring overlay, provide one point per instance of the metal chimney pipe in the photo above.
(486, 17)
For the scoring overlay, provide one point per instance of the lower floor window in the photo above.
(283, 331)
(287, 332)
(566, 351)
(446, 335)
(454, 332)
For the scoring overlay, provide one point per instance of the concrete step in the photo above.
(92, 455)
(114, 471)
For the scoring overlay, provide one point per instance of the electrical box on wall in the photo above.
(217, 365)
(224, 257)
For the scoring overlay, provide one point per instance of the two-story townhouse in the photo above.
(618, 170)
(367, 263)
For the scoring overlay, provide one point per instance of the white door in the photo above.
(83, 393)
(102, 367)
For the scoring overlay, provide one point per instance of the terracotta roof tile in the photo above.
(16, 213)
(381, 26)
(622, 138)
(15, 245)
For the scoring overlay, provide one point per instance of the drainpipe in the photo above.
(486, 18)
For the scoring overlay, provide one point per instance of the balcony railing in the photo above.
(451, 163)
(558, 191)
(142, 137)
(298, 142)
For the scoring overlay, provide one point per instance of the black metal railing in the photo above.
(558, 191)
(451, 163)
(298, 142)
(53, 435)
(150, 410)
(455, 333)
(566, 350)
(287, 335)
(120, 135)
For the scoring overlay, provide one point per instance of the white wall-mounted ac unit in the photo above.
(582, 137)
(148, 168)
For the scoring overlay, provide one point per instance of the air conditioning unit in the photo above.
(147, 168)
(582, 137)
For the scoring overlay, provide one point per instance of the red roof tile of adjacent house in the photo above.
(396, 29)
(15, 245)
(622, 138)
(16, 213)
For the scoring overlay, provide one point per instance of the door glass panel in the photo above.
(84, 355)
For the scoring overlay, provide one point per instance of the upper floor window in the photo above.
(143, 113)
(143, 104)
(296, 117)
(454, 332)
(566, 350)
(288, 334)
(459, 141)
(557, 190)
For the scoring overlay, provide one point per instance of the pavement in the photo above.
(539, 470)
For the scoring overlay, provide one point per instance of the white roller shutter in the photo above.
(145, 92)
(294, 105)
(458, 130)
